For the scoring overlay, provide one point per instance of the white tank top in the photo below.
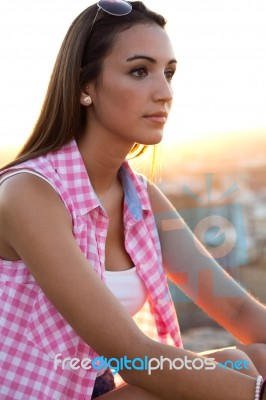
(128, 287)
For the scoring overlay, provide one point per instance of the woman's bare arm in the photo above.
(36, 225)
(192, 268)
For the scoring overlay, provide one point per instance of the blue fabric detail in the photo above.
(131, 196)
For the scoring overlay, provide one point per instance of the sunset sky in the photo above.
(220, 84)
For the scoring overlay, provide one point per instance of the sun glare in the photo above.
(220, 84)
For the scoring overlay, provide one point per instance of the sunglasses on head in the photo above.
(117, 8)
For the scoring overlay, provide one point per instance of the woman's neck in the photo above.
(102, 162)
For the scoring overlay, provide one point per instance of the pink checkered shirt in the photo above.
(32, 331)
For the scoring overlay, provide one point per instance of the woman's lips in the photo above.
(159, 117)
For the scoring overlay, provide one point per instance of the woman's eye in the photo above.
(169, 73)
(139, 72)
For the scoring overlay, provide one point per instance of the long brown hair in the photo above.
(79, 61)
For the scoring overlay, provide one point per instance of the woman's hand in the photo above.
(257, 353)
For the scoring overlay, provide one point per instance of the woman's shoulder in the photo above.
(158, 199)
(24, 198)
(21, 189)
(24, 183)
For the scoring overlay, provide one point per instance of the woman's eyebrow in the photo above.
(150, 59)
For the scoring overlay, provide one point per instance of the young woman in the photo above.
(85, 243)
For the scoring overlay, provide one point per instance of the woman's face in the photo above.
(134, 96)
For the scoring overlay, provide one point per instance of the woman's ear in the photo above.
(85, 98)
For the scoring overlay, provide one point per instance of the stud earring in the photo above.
(87, 100)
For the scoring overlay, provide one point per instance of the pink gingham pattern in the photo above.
(32, 332)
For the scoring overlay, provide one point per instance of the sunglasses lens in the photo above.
(115, 7)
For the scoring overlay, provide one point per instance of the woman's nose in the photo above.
(163, 91)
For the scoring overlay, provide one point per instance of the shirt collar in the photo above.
(70, 167)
